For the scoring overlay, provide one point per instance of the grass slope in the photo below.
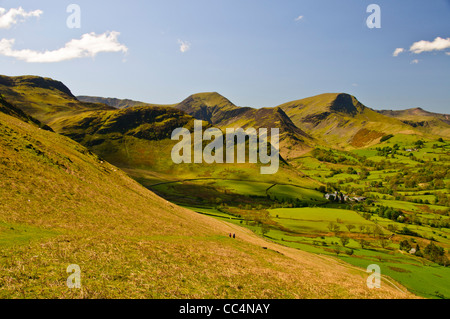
(62, 205)
(220, 112)
(341, 120)
(428, 122)
(43, 98)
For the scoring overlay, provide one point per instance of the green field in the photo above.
(307, 229)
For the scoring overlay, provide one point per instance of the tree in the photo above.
(363, 243)
(350, 227)
(393, 228)
(386, 137)
(405, 245)
(336, 229)
(264, 229)
(383, 242)
(331, 226)
(378, 231)
(337, 251)
(435, 254)
(344, 240)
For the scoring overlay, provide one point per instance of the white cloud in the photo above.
(89, 45)
(14, 16)
(299, 18)
(437, 44)
(398, 51)
(184, 46)
(415, 61)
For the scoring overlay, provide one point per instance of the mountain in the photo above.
(43, 98)
(340, 120)
(210, 107)
(416, 114)
(113, 102)
(60, 205)
(422, 120)
(220, 112)
(146, 122)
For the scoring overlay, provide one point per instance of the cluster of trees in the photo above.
(391, 213)
(285, 202)
(428, 177)
(431, 252)
(386, 137)
(387, 150)
(329, 156)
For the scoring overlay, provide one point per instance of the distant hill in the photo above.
(43, 98)
(113, 102)
(145, 122)
(211, 107)
(416, 114)
(341, 120)
(422, 120)
(220, 112)
(118, 103)
(335, 119)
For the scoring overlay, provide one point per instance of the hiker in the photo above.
(234, 235)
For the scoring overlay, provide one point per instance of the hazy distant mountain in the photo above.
(116, 103)
(422, 120)
(416, 114)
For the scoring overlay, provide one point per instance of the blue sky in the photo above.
(257, 53)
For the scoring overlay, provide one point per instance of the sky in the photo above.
(258, 53)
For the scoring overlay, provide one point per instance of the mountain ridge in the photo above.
(43, 98)
(338, 119)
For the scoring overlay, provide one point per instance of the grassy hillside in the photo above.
(210, 107)
(341, 120)
(145, 122)
(43, 98)
(137, 139)
(61, 205)
(9, 109)
(220, 112)
(422, 120)
(329, 143)
(416, 114)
